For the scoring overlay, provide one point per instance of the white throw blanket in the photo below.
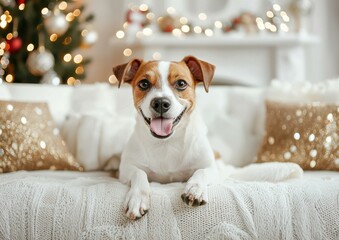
(72, 205)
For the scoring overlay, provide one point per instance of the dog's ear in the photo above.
(126, 72)
(201, 71)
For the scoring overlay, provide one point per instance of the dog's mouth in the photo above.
(161, 127)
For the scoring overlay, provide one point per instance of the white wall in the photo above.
(323, 58)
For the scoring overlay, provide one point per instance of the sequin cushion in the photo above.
(30, 141)
(306, 134)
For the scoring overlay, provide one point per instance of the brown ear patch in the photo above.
(126, 72)
(202, 71)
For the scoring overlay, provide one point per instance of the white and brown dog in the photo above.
(169, 143)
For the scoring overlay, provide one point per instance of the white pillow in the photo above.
(4, 92)
(296, 92)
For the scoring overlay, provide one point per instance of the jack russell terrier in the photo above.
(169, 143)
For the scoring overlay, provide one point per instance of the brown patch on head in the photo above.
(149, 71)
(179, 71)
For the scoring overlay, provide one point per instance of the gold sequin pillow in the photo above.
(30, 141)
(307, 134)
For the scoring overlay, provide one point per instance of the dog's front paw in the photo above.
(194, 195)
(136, 204)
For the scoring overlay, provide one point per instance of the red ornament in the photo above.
(168, 28)
(20, 1)
(143, 22)
(14, 45)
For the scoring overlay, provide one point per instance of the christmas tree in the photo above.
(39, 41)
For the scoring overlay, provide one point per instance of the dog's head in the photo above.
(164, 92)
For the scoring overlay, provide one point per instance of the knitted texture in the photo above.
(73, 205)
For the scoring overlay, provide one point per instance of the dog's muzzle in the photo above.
(161, 127)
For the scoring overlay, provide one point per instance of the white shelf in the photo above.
(168, 40)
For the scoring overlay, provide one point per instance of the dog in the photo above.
(169, 143)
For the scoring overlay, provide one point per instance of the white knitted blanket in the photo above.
(71, 205)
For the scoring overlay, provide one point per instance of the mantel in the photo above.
(158, 40)
(251, 60)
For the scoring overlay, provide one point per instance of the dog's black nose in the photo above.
(161, 105)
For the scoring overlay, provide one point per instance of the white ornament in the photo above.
(135, 26)
(56, 23)
(40, 62)
(90, 38)
(51, 77)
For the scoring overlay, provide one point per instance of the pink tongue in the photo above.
(161, 126)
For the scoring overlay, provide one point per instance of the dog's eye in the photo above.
(144, 85)
(180, 85)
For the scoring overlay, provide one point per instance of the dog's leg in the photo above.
(137, 200)
(195, 192)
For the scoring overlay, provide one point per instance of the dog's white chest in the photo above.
(180, 176)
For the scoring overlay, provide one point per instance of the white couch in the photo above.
(75, 205)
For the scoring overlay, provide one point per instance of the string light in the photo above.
(218, 24)
(150, 16)
(70, 81)
(202, 16)
(197, 29)
(70, 17)
(67, 57)
(9, 78)
(176, 32)
(209, 32)
(147, 31)
(63, 5)
(276, 7)
(67, 41)
(284, 27)
(53, 37)
(183, 20)
(22, 6)
(5, 19)
(120, 34)
(84, 32)
(284, 16)
(143, 7)
(78, 58)
(76, 13)
(44, 11)
(30, 47)
(185, 28)
(269, 14)
(128, 52)
(260, 23)
(171, 10)
(79, 70)
(9, 36)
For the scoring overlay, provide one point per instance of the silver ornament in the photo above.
(51, 77)
(39, 62)
(8, 3)
(89, 38)
(56, 23)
